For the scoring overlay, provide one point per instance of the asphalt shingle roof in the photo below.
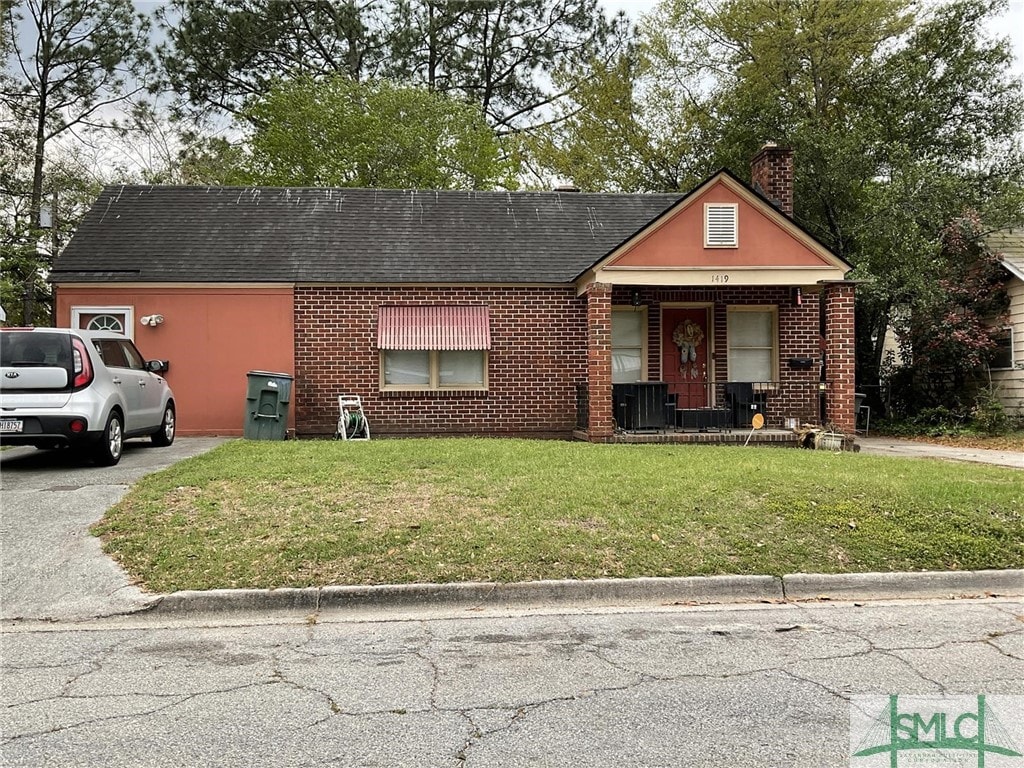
(270, 234)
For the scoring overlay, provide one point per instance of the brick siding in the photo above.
(537, 357)
(840, 356)
(545, 341)
(600, 422)
(771, 171)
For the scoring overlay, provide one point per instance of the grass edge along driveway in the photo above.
(314, 513)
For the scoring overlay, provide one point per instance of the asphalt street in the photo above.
(50, 566)
(766, 685)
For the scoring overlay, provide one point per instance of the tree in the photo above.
(209, 160)
(338, 132)
(499, 54)
(944, 127)
(157, 147)
(74, 60)
(25, 251)
(949, 338)
(225, 54)
(614, 134)
(900, 116)
(712, 81)
(18, 266)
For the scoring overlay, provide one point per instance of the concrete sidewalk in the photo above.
(891, 446)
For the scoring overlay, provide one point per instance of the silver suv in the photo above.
(84, 389)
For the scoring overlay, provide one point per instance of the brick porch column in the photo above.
(601, 426)
(840, 352)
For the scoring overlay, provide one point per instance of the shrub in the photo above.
(989, 415)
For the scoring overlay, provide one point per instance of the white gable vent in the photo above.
(720, 225)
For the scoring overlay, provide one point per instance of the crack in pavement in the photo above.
(890, 650)
(870, 648)
(478, 734)
(892, 654)
(74, 726)
(181, 699)
(817, 683)
(93, 667)
(874, 646)
(893, 651)
(102, 655)
(739, 673)
(420, 653)
(1006, 653)
(474, 734)
(278, 675)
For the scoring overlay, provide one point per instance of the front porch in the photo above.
(669, 364)
(729, 303)
(649, 412)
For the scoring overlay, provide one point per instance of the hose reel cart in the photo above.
(352, 424)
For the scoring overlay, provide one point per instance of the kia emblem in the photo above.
(12, 374)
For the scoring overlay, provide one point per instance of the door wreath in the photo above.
(687, 336)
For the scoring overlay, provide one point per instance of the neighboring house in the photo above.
(1008, 367)
(498, 313)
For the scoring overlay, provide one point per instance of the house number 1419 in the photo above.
(719, 278)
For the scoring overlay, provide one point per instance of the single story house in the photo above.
(458, 312)
(1008, 367)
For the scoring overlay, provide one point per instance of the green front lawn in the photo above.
(269, 514)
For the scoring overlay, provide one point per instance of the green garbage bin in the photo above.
(266, 405)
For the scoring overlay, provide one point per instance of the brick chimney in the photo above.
(771, 174)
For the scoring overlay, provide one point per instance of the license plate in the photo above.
(11, 425)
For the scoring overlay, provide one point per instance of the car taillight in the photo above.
(77, 426)
(83, 366)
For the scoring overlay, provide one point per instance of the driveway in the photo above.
(50, 566)
(891, 446)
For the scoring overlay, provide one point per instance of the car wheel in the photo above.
(165, 435)
(108, 450)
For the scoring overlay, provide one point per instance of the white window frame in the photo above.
(735, 242)
(128, 312)
(434, 373)
(644, 330)
(769, 309)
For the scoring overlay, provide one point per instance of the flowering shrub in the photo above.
(949, 338)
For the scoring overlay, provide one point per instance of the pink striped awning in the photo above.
(441, 327)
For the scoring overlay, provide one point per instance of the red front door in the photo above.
(684, 355)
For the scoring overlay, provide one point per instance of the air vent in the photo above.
(720, 225)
